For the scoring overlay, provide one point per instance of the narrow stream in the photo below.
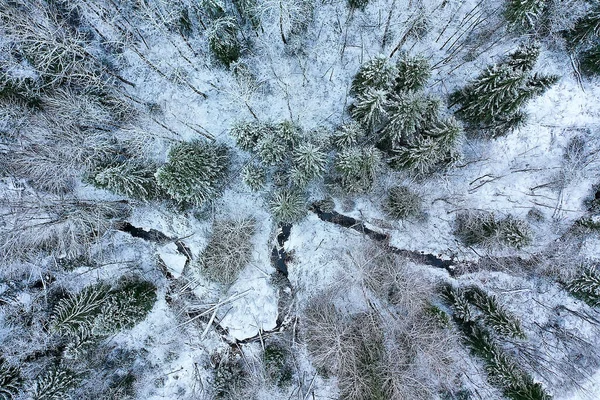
(352, 223)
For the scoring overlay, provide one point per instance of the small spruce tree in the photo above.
(194, 172)
(287, 206)
(422, 156)
(309, 160)
(271, 149)
(402, 203)
(587, 287)
(125, 306)
(254, 176)
(247, 134)
(524, 15)
(348, 135)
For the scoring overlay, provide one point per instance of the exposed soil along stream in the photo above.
(279, 279)
(357, 225)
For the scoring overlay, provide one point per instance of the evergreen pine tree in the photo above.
(357, 168)
(523, 15)
(447, 132)
(422, 156)
(223, 41)
(272, 149)
(289, 133)
(309, 160)
(436, 148)
(125, 306)
(524, 58)
(493, 100)
(376, 74)
(490, 95)
(254, 176)
(194, 172)
(129, 179)
(287, 206)
(348, 135)
(514, 232)
(370, 107)
(413, 73)
(495, 316)
(459, 303)
(408, 113)
(247, 134)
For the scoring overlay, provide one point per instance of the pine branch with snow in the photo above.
(131, 179)
(54, 384)
(10, 380)
(76, 313)
(461, 307)
(495, 315)
(590, 61)
(586, 29)
(524, 15)
(587, 287)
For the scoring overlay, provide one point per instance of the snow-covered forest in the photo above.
(300, 199)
